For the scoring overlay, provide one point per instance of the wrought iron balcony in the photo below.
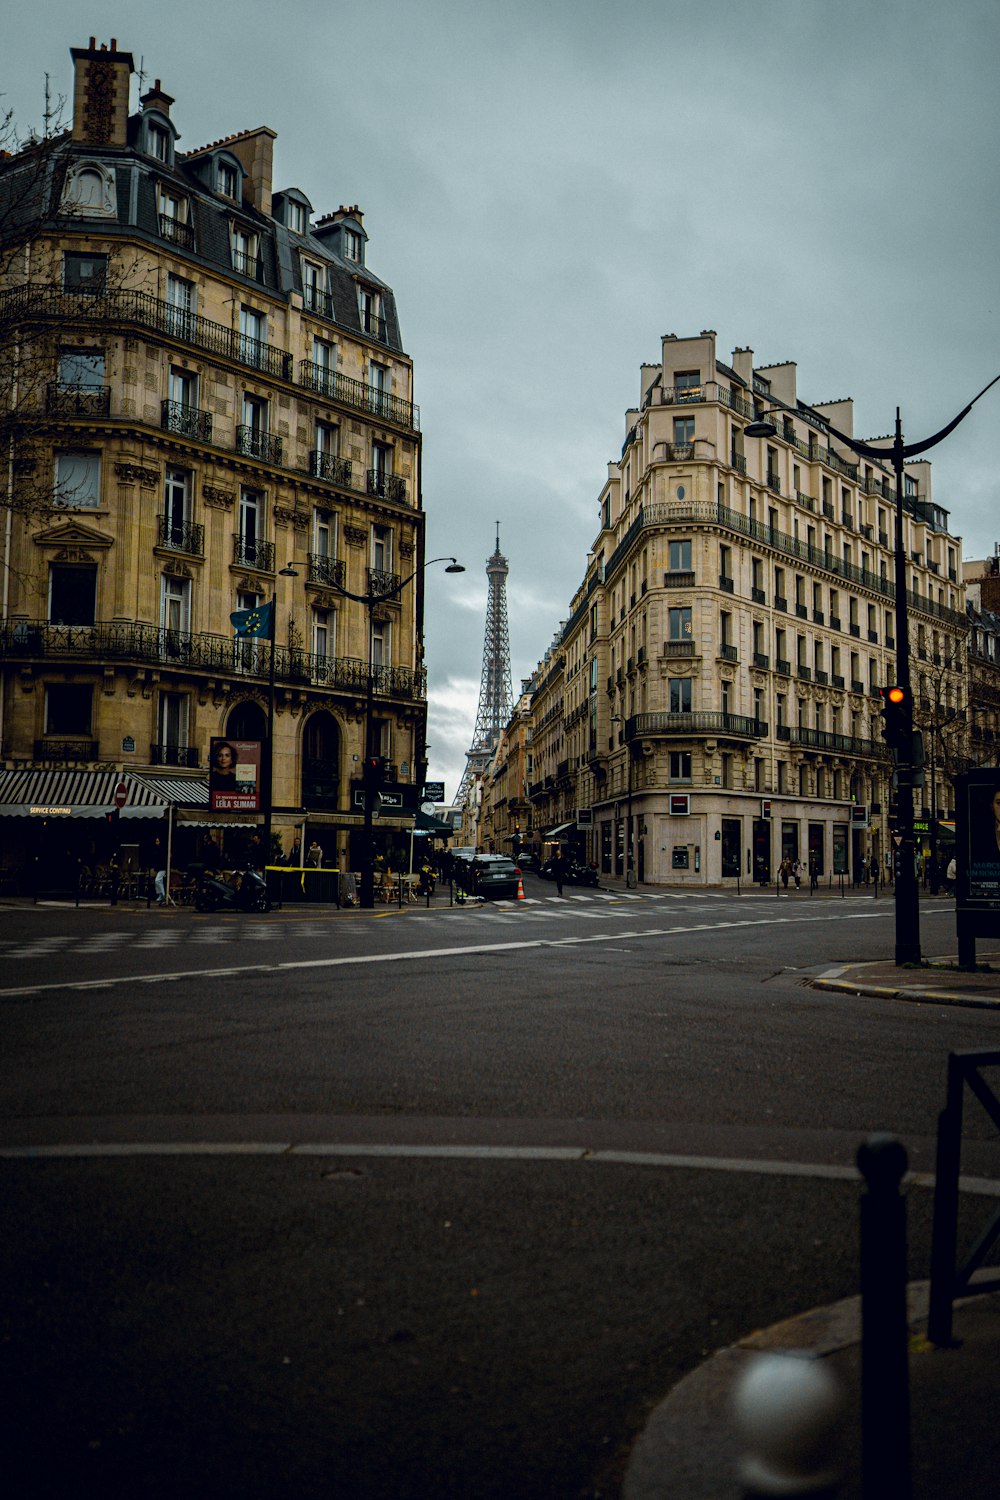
(758, 596)
(843, 744)
(357, 393)
(253, 554)
(177, 232)
(783, 667)
(373, 325)
(318, 300)
(72, 749)
(253, 443)
(679, 648)
(761, 659)
(382, 584)
(679, 579)
(62, 400)
(174, 755)
(328, 570)
(141, 310)
(728, 652)
(386, 486)
(216, 655)
(246, 264)
(181, 536)
(328, 466)
(728, 726)
(186, 421)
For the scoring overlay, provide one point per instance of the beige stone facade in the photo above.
(712, 703)
(223, 394)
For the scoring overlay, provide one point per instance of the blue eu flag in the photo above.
(258, 622)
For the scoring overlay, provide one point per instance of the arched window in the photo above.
(321, 762)
(247, 722)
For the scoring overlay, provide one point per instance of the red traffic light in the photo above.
(896, 694)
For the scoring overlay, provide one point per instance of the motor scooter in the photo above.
(215, 894)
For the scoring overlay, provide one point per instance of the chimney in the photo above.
(100, 94)
(255, 151)
(155, 98)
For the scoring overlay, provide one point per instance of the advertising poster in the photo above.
(984, 838)
(234, 768)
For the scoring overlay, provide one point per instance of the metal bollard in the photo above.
(885, 1370)
(789, 1411)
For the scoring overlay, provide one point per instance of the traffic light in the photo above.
(376, 769)
(897, 718)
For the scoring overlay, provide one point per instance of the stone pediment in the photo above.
(72, 534)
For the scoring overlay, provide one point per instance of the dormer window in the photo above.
(296, 218)
(314, 292)
(158, 142)
(174, 214)
(227, 180)
(246, 247)
(370, 309)
(352, 245)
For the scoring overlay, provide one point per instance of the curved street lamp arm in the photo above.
(909, 450)
(397, 588)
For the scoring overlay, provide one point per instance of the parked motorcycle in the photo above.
(250, 895)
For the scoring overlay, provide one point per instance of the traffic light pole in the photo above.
(907, 893)
(367, 891)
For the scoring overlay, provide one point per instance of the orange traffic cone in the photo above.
(520, 889)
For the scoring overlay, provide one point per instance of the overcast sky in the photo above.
(551, 185)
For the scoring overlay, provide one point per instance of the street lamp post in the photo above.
(630, 880)
(906, 889)
(366, 893)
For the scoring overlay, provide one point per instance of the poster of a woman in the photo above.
(984, 841)
(234, 775)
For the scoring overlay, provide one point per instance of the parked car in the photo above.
(489, 875)
(574, 873)
(528, 860)
(464, 852)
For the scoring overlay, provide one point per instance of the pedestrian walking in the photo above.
(785, 870)
(797, 874)
(559, 871)
(314, 856)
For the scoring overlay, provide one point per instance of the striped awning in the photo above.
(91, 794)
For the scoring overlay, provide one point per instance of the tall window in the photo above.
(250, 522)
(313, 279)
(370, 309)
(683, 431)
(680, 624)
(680, 695)
(325, 534)
(295, 216)
(173, 726)
(687, 383)
(78, 479)
(680, 557)
(247, 650)
(323, 365)
(181, 300)
(381, 637)
(378, 385)
(227, 179)
(253, 335)
(323, 630)
(381, 549)
(680, 765)
(83, 271)
(352, 245)
(72, 594)
(245, 252)
(81, 369)
(176, 506)
(175, 605)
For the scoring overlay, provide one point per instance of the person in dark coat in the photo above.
(559, 871)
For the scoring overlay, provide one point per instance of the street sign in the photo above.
(121, 794)
(433, 791)
(897, 839)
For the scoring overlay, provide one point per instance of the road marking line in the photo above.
(411, 955)
(986, 1187)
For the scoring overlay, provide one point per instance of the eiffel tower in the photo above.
(496, 702)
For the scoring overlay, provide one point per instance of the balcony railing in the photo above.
(217, 655)
(181, 536)
(374, 325)
(251, 553)
(843, 744)
(382, 584)
(141, 310)
(62, 400)
(318, 300)
(386, 486)
(177, 232)
(186, 421)
(75, 749)
(733, 726)
(358, 394)
(679, 579)
(679, 648)
(174, 755)
(328, 570)
(328, 466)
(253, 443)
(246, 264)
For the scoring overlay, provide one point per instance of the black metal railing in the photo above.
(318, 300)
(386, 486)
(141, 310)
(181, 536)
(359, 394)
(948, 1279)
(62, 400)
(186, 421)
(174, 755)
(679, 579)
(253, 443)
(76, 749)
(328, 570)
(177, 232)
(216, 654)
(737, 726)
(253, 553)
(328, 466)
(845, 744)
(373, 324)
(381, 583)
(246, 264)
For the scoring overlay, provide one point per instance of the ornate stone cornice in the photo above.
(141, 474)
(355, 536)
(216, 498)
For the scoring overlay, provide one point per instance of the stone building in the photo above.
(711, 707)
(207, 388)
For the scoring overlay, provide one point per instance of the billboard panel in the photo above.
(234, 775)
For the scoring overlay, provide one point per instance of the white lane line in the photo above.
(412, 955)
(986, 1187)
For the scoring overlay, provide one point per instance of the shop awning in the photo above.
(555, 833)
(91, 794)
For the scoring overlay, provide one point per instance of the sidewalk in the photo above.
(937, 981)
(688, 1449)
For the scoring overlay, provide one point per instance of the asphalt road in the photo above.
(433, 1203)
